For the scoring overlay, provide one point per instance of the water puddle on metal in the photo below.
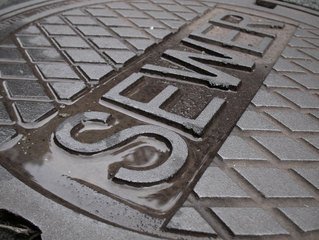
(93, 171)
(140, 140)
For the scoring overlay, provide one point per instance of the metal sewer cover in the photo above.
(180, 119)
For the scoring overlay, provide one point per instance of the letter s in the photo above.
(177, 158)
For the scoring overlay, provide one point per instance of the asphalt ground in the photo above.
(313, 4)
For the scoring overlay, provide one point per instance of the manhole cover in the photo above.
(174, 118)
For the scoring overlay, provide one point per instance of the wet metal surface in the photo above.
(116, 109)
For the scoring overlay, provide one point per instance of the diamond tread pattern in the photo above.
(264, 180)
(60, 58)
